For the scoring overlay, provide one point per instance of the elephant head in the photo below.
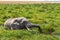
(28, 25)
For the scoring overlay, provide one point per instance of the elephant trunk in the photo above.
(35, 25)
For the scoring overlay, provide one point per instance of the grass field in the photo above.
(47, 15)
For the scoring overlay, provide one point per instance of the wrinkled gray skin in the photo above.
(20, 23)
(13, 23)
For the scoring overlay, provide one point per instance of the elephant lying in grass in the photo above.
(20, 23)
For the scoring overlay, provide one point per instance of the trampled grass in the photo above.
(47, 15)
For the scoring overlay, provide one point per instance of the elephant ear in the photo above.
(18, 20)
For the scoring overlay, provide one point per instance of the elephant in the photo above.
(20, 23)
(13, 23)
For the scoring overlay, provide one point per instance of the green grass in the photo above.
(24, 35)
(47, 15)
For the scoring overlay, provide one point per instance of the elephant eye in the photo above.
(15, 21)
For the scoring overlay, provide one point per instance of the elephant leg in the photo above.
(13, 26)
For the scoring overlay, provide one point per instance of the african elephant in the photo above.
(13, 23)
(20, 23)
